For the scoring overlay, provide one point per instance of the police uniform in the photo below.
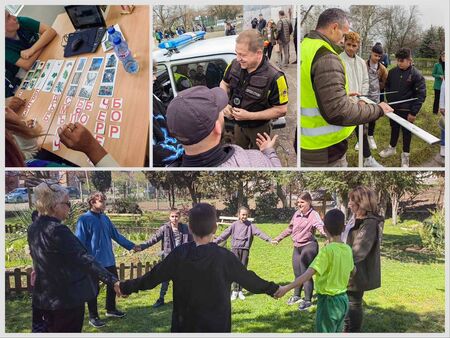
(182, 82)
(259, 90)
(27, 35)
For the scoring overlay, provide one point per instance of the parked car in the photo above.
(19, 195)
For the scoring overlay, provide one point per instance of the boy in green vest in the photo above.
(332, 267)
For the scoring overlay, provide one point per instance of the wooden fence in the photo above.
(19, 280)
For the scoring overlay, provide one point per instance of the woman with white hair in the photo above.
(65, 273)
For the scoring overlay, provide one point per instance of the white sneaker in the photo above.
(372, 143)
(405, 160)
(442, 151)
(357, 146)
(241, 295)
(371, 163)
(389, 151)
(234, 295)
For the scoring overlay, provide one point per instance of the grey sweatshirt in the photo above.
(242, 235)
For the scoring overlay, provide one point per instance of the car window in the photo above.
(162, 87)
(203, 73)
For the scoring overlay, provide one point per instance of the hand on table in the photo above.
(265, 142)
(14, 103)
(27, 53)
(77, 137)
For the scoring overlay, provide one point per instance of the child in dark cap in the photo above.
(195, 118)
(202, 273)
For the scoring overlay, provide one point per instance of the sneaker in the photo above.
(389, 151)
(405, 160)
(96, 322)
(371, 163)
(442, 152)
(304, 305)
(357, 146)
(241, 295)
(294, 299)
(115, 313)
(372, 143)
(234, 295)
(158, 303)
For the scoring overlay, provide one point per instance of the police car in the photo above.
(190, 60)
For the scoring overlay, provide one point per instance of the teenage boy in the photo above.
(358, 81)
(407, 83)
(202, 273)
(96, 231)
(377, 80)
(332, 267)
(171, 234)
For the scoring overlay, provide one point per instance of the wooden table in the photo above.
(131, 148)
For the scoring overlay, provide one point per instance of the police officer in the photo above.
(328, 114)
(257, 90)
(182, 80)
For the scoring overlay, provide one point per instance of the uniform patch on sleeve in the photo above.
(282, 90)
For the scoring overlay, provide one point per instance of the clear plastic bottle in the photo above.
(112, 34)
(124, 54)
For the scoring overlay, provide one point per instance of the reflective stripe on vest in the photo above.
(316, 132)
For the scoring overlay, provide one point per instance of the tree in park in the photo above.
(101, 180)
(226, 12)
(432, 42)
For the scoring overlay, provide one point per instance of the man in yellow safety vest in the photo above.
(328, 113)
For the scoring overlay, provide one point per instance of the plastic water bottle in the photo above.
(112, 34)
(124, 54)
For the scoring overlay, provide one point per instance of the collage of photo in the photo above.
(317, 127)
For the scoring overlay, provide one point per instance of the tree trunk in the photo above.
(281, 195)
(394, 204)
(240, 194)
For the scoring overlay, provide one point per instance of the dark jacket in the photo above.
(202, 277)
(410, 84)
(167, 238)
(65, 274)
(365, 240)
(242, 235)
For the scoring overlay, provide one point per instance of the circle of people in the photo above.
(68, 266)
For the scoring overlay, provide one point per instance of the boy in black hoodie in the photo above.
(202, 273)
(406, 82)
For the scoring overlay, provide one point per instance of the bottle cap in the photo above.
(117, 40)
(111, 30)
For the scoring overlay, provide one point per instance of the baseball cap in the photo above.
(192, 115)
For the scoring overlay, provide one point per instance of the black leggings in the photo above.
(302, 257)
(354, 318)
(395, 132)
(437, 95)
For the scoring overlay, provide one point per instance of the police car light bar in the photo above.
(182, 40)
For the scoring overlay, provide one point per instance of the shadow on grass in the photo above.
(394, 247)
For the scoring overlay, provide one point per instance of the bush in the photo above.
(231, 205)
(433, 232)
(267, 211)
(126, 206)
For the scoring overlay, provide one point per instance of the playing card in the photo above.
(114, 132)
(53, 75)
(104, 104)
(101, 115)
(96, 64)
(99, 127)
(116, 116)
(63, 77)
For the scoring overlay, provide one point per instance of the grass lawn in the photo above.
(420, 151)
(411, 299)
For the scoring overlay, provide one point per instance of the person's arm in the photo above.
(383, 78)
(158, 236)
(225, 83)
(435, 73)
(363, 243)
(224, 235)
(286, 232)
(47, 34)
(82, 232)
(237, 272)
(274, 112)
(77, 137)
(318, 223)
(267, 146)
(119, 238)
(336, 108)
(261, 234)
(442, 98)
(68, 245)
(299, 281)
(420, 90)
(28, 63)
(163, 271)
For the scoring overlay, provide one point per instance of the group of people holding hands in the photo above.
(202, 271)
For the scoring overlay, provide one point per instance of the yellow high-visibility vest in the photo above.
(316, 133)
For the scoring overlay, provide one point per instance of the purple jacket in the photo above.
(242, 235)
(252, 158)
(167, 238)
(302, 226)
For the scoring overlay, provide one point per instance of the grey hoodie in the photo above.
(242, 235)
